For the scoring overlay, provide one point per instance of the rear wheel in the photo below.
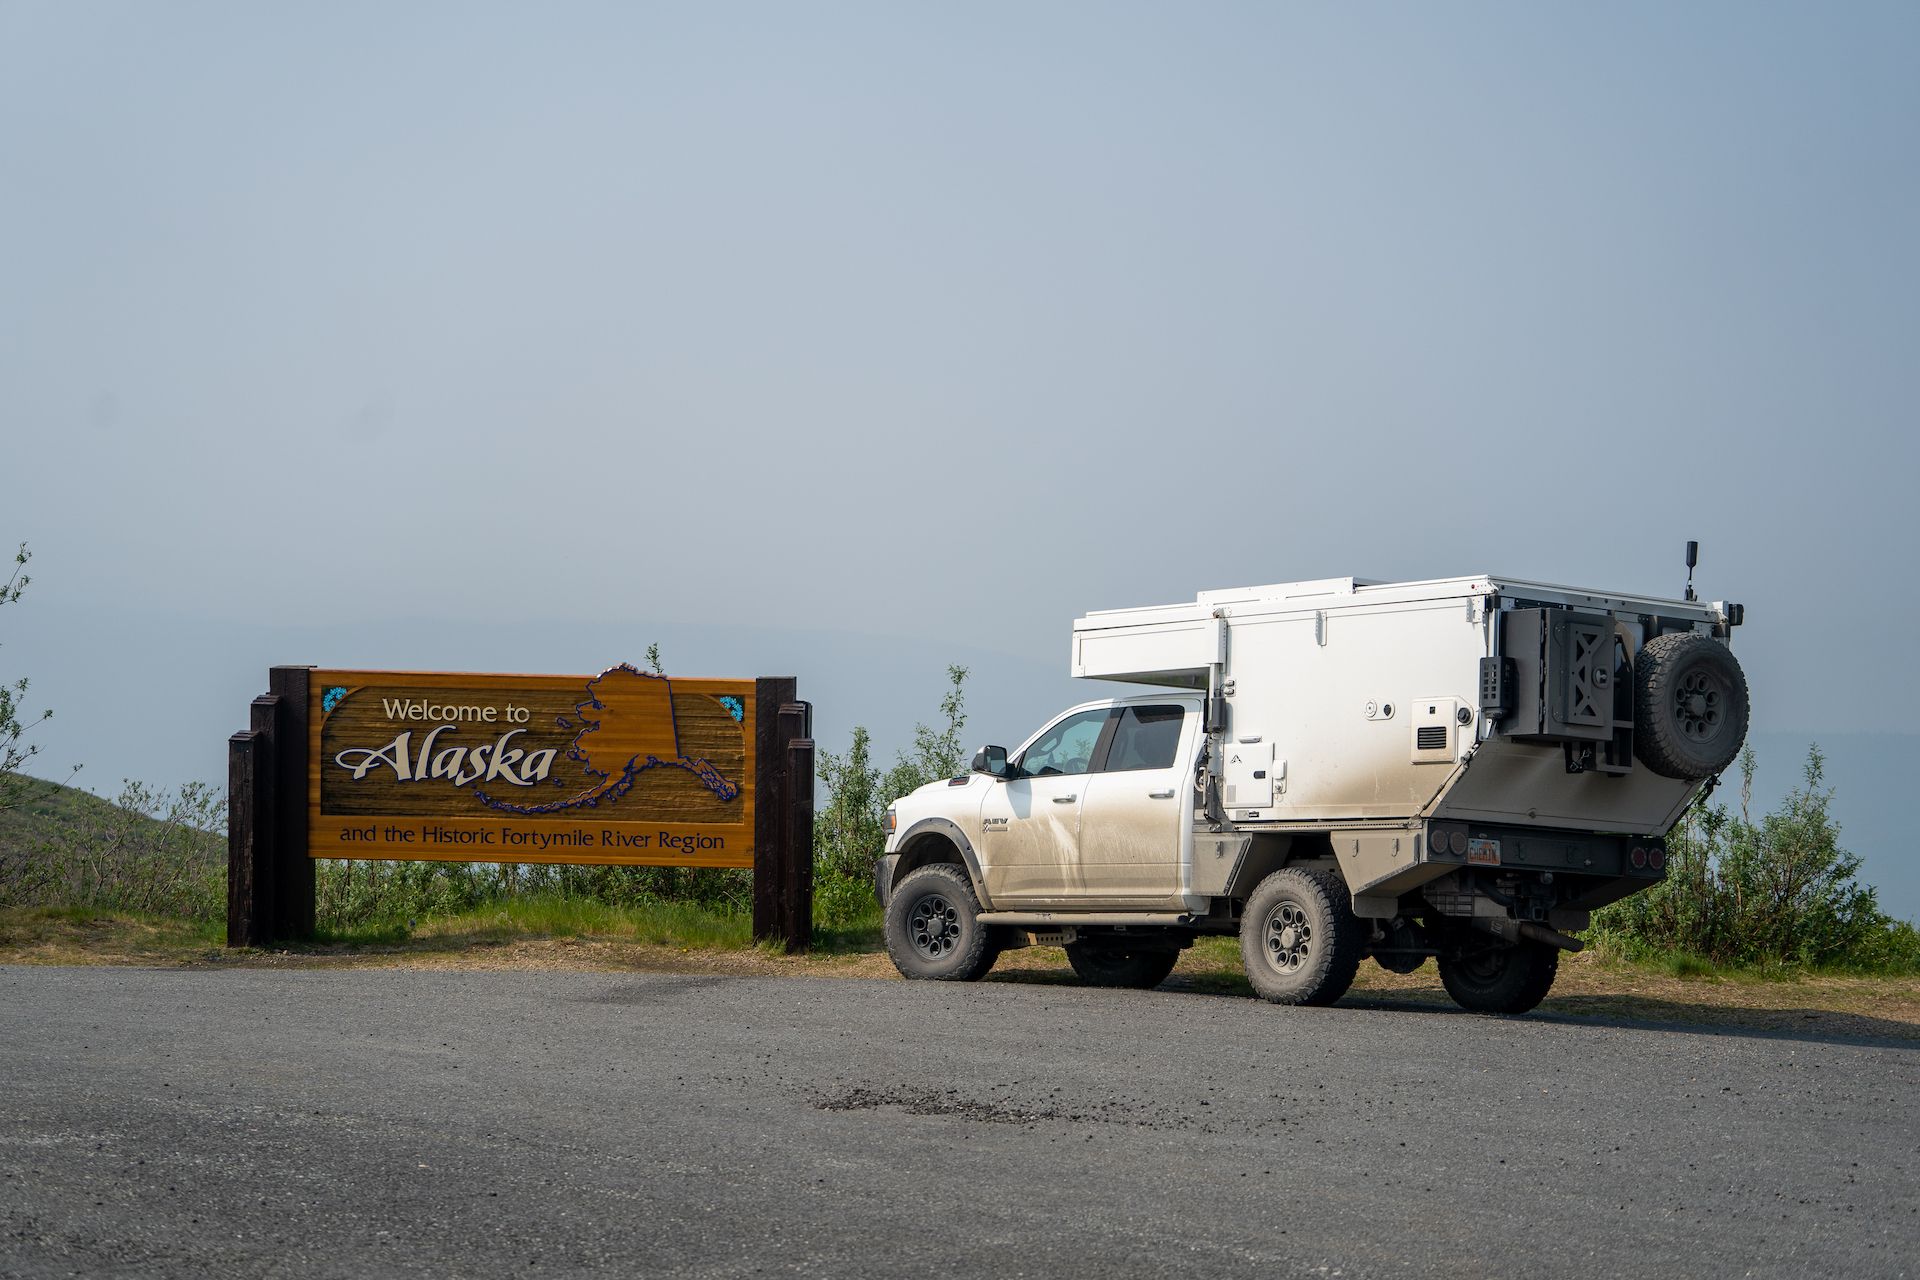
(1102, 965)
(1299, 939)
(1500, 979)
(933, 927)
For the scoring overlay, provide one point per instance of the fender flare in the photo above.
(950, 832)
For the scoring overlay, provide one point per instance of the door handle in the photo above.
(1161, 795)
(1065, 799)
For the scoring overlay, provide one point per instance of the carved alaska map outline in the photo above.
(631, 712)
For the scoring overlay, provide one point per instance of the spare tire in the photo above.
(1689, 706)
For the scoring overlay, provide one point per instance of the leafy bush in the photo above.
(367, 893)
(1777, 891)
(15, 748)
(848, 832)
(370, 894)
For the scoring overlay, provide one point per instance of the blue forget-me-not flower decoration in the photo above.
(331, 697)
(734, 707)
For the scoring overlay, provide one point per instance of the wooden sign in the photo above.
(625, 768)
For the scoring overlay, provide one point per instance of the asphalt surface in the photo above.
(380, 1122)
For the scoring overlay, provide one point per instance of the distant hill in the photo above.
(63, 846)
(50, 808)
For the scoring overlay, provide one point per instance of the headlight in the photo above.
(888, 823)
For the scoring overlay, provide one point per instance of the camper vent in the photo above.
(1431, 737)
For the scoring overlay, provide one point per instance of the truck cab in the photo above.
(1092, 812)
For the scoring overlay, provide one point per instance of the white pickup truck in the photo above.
(1461, 769)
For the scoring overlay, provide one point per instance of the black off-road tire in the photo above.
(933, 927)
(1103, 965)
(1500, 979)
(1690, 706)
(1299, 939)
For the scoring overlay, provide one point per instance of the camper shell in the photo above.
(1362, 708)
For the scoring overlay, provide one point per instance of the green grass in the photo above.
(1682, 965)
(854, 935)
(666, 924)
(381, 933)
(1611, 950)
(29, 927)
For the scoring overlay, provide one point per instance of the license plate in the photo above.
(1483, 853)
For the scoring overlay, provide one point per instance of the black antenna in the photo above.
(1693, 558)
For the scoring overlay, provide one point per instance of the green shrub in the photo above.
(1776, 891)
(351, 895)
(848, 833)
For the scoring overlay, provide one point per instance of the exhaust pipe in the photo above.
(1510, 930)
(1550, 937)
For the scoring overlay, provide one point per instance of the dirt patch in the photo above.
(1593, 986)
(918, 1102)
(1009, 1108)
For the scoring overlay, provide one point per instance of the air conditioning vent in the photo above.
(1431, 737)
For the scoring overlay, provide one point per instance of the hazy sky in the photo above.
(433, 334)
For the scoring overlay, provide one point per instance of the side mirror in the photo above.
(991, 761)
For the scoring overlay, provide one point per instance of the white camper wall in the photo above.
(1315, 667)
(1166, 647)
(1340, 694)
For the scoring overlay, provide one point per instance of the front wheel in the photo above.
(1299, 939)
(1501, 979)
(933, 927)
(1099, 965)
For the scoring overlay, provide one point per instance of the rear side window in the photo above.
(1145, 738)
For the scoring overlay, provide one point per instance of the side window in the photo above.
(1066, 747)
(1146, 738)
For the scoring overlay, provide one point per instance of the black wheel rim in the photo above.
(1485, 967)
(933, 927)
(1287, 938)
(1700, 700)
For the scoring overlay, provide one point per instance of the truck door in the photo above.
(1030, 823)
(1130, 810)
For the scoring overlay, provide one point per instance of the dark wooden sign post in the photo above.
(275, 806)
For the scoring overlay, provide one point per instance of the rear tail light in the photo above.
(1657, 859)
(1639, 858)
